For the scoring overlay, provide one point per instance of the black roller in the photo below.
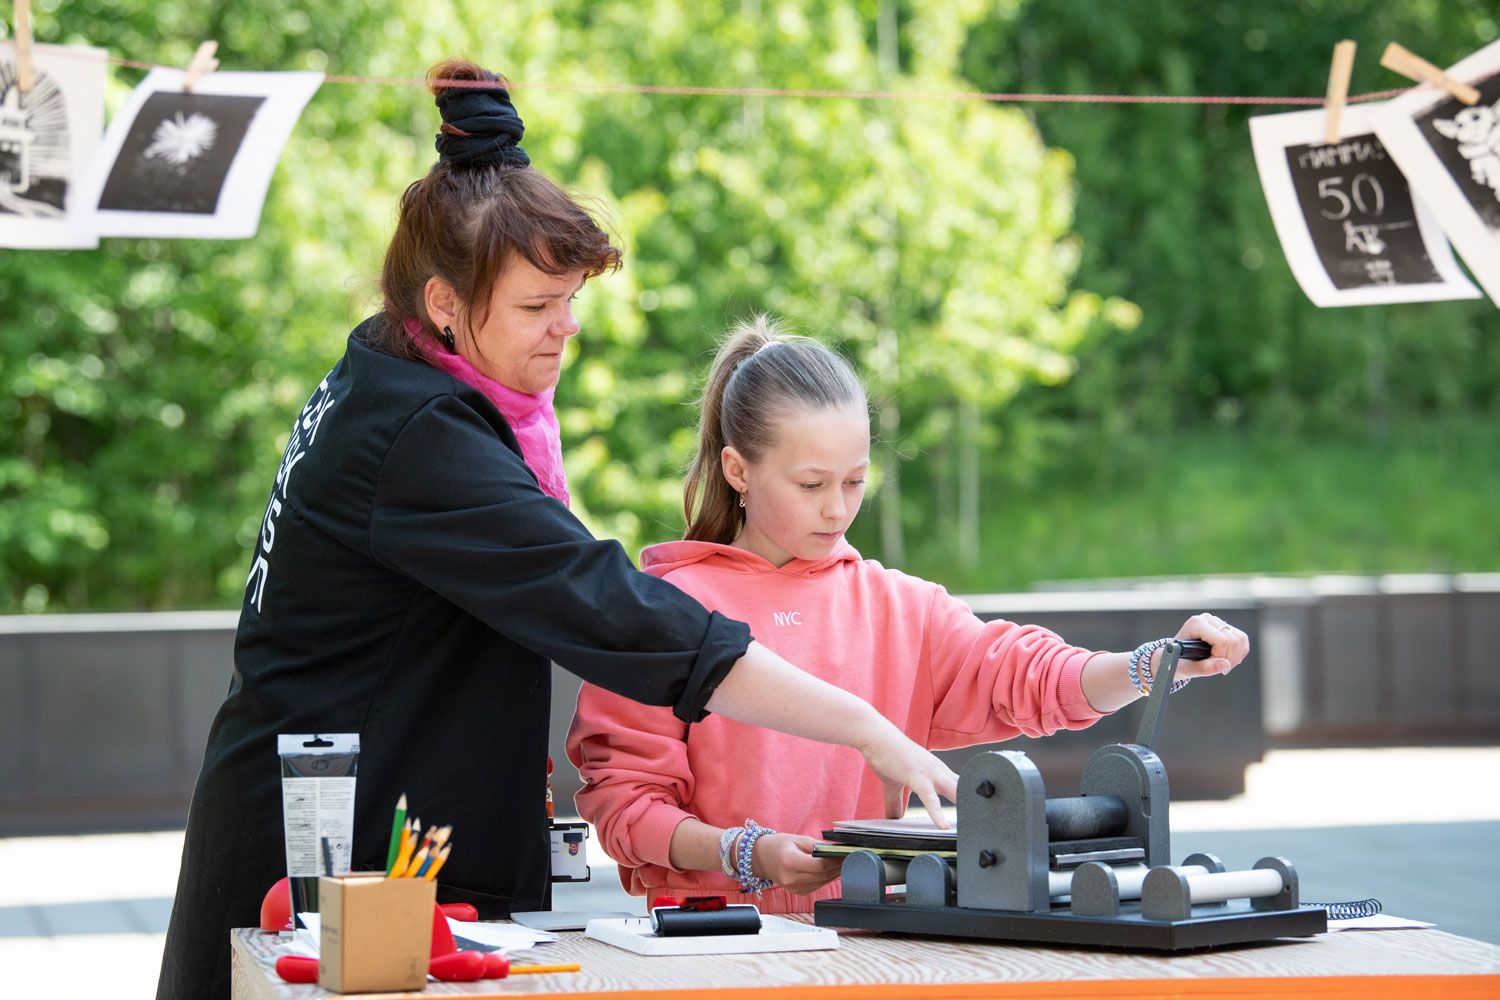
(1084, 817)
(670, 921)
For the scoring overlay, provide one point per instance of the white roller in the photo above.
(1216, 887)
(1129, 878)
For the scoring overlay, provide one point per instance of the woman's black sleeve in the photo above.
(458, 512)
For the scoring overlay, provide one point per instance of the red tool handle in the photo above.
(297, 968)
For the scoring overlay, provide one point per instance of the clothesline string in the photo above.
(796, 92)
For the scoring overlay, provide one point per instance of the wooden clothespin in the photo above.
(1419, 69)
(203, 64)
(1338, 88)
(25, 72)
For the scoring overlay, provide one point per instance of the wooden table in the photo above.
(1355, 965)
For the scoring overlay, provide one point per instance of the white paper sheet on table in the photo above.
(308, 938)
(910, 826)
(504, 936)
(1379, 922)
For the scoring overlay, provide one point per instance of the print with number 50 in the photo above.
(1364, 189)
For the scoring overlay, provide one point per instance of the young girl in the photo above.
(784, 446)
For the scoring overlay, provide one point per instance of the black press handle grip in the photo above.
(1194, 649)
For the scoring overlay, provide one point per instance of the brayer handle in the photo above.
(1194, 649)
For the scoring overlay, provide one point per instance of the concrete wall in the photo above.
(103, 718)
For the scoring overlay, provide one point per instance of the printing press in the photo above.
(1090, 869)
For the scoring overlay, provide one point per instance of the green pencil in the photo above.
(398, 826)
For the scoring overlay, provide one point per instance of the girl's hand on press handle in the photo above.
(1229, 645)
(786, 859)
(901, 764)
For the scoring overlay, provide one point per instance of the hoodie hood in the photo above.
(659, 560)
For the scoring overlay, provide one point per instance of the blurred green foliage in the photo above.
(1171, 213)
(1042, 298)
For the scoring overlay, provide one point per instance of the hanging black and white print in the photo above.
(1451, 153)
(47, 138)
(1351, 230)
(195, 164)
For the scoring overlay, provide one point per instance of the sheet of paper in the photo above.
(308, 938)
(194, 165)
(47, 140)
(1379, 922)
(502, 936)
(1450, 153)
(908, 826)
(1353, 230)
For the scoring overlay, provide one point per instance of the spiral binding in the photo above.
(1353, 910)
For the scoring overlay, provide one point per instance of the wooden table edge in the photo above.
(1482, 987)
(1341, 987)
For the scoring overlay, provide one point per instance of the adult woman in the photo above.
(417, 568)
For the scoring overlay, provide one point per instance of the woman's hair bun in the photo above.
(480, 124)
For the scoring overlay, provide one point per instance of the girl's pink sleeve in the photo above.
(993, 679)
(633, 759)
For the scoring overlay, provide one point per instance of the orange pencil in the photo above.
(408, 844)
(417, 859)
(516, 970)
(437, 861)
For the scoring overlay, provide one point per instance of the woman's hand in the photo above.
(1229, 646)
(786, 859)
(765, 690)
(901, 765)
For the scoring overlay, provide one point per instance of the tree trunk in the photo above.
(968, 484)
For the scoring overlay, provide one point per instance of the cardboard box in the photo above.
(376, 932)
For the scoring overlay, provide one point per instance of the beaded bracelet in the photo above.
(726, 850)
(749, 881)
(1139, 668)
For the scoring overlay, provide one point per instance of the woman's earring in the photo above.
(448, 340)
(742, 499)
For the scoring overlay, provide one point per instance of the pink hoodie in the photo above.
(915, 653)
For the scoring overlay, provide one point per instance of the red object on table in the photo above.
(442, 936)
(704, 904)
(276, 908)
(297, 968)
(458, 967)
(465, 912)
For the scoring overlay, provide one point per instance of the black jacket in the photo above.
(411, 583)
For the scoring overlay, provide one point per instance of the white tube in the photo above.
(1129, 878)
(1216, 887)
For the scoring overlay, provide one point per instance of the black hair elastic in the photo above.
(491, 128)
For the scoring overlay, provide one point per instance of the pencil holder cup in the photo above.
(376, 932)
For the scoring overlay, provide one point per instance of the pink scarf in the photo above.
(531, 417)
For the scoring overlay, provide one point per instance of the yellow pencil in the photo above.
(408, 844)
(415, 867)
(437, 861)
(516, 970)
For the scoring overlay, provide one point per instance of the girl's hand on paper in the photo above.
(786, 859)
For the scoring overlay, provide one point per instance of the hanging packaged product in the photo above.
(317, 809)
